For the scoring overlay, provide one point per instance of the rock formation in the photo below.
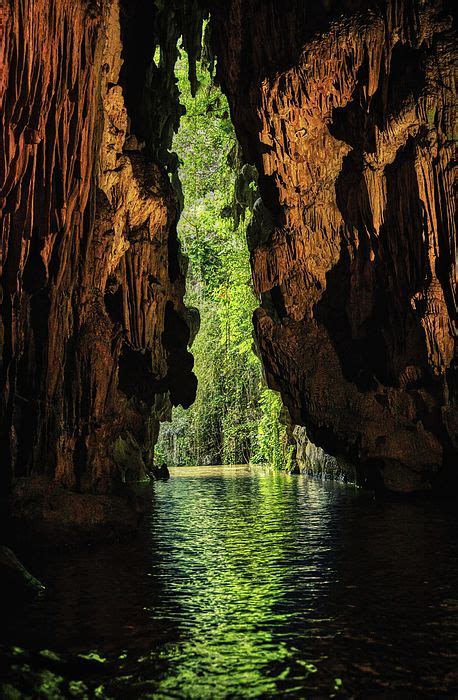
(94, 326)
(347, 110)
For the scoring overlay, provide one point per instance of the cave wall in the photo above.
(95, 332)
(347, 110)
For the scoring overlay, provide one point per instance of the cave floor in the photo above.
(248, 583)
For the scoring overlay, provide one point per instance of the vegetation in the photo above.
(235, 418)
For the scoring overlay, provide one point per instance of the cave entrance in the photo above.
(235, 418)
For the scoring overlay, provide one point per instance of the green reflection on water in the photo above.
(229, 579)
(263, 585)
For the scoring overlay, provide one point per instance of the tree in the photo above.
(235, 419)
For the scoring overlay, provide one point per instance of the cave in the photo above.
(352, 254)
(345, 111)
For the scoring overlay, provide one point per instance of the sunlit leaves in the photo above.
(230, 420)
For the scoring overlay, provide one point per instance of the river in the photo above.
(252, 583)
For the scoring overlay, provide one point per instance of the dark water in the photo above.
(254, 584)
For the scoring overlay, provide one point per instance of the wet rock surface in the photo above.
(44, 514)
(160, 473)
(16, 579)
(313, 460)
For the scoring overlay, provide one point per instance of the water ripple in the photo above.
(251, 583)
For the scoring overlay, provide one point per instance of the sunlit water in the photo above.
(257, 584)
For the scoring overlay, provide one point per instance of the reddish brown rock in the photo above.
(347, 109)
(95, 336)
(48, 515)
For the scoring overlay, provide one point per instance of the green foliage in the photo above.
(272, 444)
(235, 419)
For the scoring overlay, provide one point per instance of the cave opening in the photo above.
(235, 418)
(325, 231)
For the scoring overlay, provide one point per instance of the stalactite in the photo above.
(345, 109)
(91, 267)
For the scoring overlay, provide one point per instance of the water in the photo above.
(254, 584)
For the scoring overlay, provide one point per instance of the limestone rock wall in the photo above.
(94, 327)
(347, 109)
(313, 460)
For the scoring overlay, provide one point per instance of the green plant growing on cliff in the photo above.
(272, 443)
(235, 418)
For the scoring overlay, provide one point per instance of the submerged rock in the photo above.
(16, 579)
(44, 514)
(160, 473)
